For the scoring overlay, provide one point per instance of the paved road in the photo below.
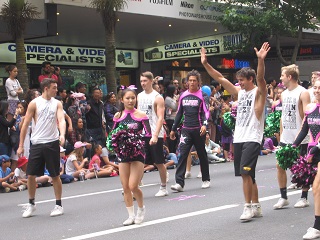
(95, 210)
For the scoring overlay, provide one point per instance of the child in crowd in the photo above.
(75, 162)
(21, 176)
(7, 182)
(65, 178)
(95, 165)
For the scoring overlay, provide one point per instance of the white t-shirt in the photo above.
(11, 87)
(20, 174)
(70, 168)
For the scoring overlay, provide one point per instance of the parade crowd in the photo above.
(54, 136)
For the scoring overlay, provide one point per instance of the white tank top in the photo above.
(248, 127)
(45, 127)
(291, 120)
(146, 104)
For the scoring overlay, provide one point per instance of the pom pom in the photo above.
(126, 143)
(303, 173)
(272, 124)
(229, 120)
(286, 156)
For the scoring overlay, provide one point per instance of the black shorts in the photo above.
(44, 155)
(154, 153)
(303, 148)
(245, 158)
(138, 158)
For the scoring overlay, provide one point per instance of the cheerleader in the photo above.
(132, 154)
(312, 122)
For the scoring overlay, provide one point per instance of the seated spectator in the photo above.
(213, 150)
(106, 161)
(267, 146)
(95, 168)
(75, 162)
(65, 178)
(170, 158)
(7, 182)
(21, 176)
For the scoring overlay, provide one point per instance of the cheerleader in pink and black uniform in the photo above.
(311, 124)
(129, 147)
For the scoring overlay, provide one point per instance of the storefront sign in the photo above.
(234, 63)
(215, 45)
(64, 55)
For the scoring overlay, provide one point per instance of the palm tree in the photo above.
(108, 11)
(17, 13)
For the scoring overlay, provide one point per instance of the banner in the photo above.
(215, 45)
(67, 56)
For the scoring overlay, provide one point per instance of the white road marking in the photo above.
(173, 218)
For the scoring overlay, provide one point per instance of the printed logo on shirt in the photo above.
(244, 108)
(289, 113)
(192, 103)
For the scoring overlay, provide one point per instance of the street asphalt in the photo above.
(94, 209)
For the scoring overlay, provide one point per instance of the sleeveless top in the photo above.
(291, 119)
(134, 123)
(277, 107)
(248, 127)
(45, 127)
(146, 104)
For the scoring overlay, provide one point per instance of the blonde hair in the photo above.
(292, 70)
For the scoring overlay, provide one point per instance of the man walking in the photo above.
(45, 151)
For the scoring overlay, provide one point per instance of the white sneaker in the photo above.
(199, 175)
(312, 233)
(162, 192)
(256, 210)
(129, 221)
(29, 209)
(292, 186)
(187, 175)
(205, 184)
(281, 203)
(140, 215)
(22, 187)
(247, 213)
(167, 179)
(177, 187)
(302, 202)
(57, 211)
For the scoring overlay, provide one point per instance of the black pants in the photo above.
(188, 138)
(172, 144)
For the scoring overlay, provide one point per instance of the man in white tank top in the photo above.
(152, 103)
(294, 102)
(45, 150)
(249, 125)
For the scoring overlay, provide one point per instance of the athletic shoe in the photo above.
(247, 213)
(292, 186)
(167, 179)
(256, 210)
(22, 187)
(302, 202)
(6, 190)
(187, 175)
(140, 215)
(29, 209)
(281, 203)
(312, 233)
(199, 175)
(57, 211)
(162, 192)
(205, 184)
(129, 221)
(177, 187)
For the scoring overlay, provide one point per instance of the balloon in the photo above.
(206, 90)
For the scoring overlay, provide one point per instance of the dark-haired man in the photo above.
(249, 125)
(48, 73)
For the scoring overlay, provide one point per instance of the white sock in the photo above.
(130, 211)
(141, 209)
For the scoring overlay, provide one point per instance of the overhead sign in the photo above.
(215, 45)
(64, 55)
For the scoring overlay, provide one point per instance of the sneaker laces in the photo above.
(25, 207)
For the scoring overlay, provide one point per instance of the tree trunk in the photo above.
(279, 54)
(21, 64)
(296, 47)
(110, 62)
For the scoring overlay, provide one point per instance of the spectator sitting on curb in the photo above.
(6, 176)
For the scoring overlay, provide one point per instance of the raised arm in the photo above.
(216, 75)
(261, 55)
